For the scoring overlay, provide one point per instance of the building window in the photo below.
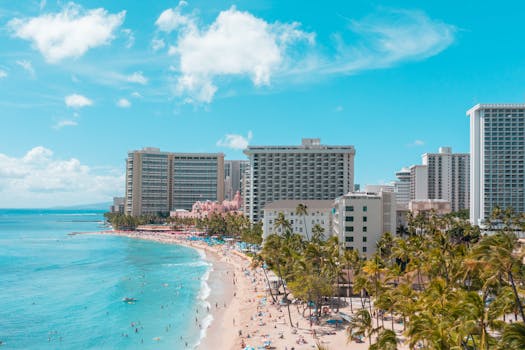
(349, 219)
(349, 228)
(364, 228)
(364, 218)
(364, 249)
(349, 248)
(364, 239)
(349, 208)
(365, 208)
(349, 239)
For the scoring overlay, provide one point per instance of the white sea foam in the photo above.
(201, 252)
(192, 264)
(203, 295)
(206, 322)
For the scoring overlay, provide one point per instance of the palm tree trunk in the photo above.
(516, 295)
(285, 295)
(269, 285)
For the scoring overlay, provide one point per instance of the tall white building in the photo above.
(319, 212)
(159, 182)
(305, 172)
(497, 159)
(402, 188)
(360, 219)
(379, 188)
(449, 177)
(418, 182)
(233, 174)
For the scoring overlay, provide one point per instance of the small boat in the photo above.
(129, 300)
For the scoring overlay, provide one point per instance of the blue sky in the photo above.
(82, 83)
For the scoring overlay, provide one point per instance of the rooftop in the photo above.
(293, 203)
(306, 144)
(496, 105)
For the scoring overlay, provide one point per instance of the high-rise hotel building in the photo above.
(449, 177)
(309, 171)
(497, 159)
(402, 188)
(233, 177)
(158, 182)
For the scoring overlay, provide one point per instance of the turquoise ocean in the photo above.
(59, 291)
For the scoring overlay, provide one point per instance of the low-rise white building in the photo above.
(318, 212)
(361, 218)
(440, 206)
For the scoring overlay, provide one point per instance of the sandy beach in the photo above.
(243, 314)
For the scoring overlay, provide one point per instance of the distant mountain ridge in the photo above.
(92, 206)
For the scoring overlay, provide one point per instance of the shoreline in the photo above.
(241, 307)
(218, 278)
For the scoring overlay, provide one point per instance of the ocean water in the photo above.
(66, 292)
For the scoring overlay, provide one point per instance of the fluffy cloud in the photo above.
(39, 179)
(63, 123)
(3, 74)
(235, 44)
(237, 142)
(138, 78)
(27, 66)
(123, 103)
(69, 33)
(77, 101)
(172, 19)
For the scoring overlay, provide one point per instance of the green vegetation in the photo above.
(128, 222)
(231, 225)
(446, 284)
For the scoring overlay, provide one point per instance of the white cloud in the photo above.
(39, 179)
(237, 142)
(390, 37)
(130, 37)
(77, 101)
(123, 103)
(27, 66)
(339, 109)
(157, 44)
(236, 44)
(42, 4)
(138, 78)
(416, 143)
(171, 19)
(3, 74)
(136, 94)
(63, 123)
(69, 33)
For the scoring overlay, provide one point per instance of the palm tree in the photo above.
(282, 223)
(351, 261)
(361, 326)
(317, 233)
(496, 254)
(513, 337)
(302, 210)
(258, 261)
(386, 340)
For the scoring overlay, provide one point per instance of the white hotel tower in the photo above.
(497, 159)
(310, 171)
